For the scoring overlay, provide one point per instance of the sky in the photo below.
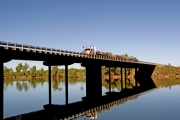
(146, 29)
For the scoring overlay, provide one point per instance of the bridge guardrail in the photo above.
(8, 45)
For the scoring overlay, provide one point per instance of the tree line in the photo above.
(24, 70)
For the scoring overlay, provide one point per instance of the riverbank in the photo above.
(160, 71)
(165, 71)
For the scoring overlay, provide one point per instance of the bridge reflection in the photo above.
(88, 107)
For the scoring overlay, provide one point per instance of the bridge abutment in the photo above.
(143, 76)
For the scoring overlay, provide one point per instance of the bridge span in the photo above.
(92, 63)
(36, 53)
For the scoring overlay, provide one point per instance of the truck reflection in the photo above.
(91, 115)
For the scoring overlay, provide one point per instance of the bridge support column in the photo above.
(49, 81)
(66, 83)
(93, 81)
(2, 87)
(109, 79)
(125, 77)
(136, 79)
(121, 79)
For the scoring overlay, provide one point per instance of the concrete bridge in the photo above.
(56, 57)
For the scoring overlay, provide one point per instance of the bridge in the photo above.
(92, 63)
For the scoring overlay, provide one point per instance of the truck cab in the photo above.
(89, 50)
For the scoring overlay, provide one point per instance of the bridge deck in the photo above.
(36, 53)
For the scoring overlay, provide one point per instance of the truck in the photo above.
(91, 50)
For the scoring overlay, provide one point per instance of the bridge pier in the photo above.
(109, 79)
(93, 80)
(136, 83)
(125, 77)
(49, 81)
(66, 83)
(121, 79)
(2, 61)
(58, 63)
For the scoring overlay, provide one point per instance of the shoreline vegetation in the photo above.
(25, 71)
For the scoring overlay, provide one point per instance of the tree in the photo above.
(116, 71)
(19, 67)
(126, 55)
(33, 71)
(41, 72)
(11, 72)
(169, 64)
(61, 73)
(25, 68)
(6, 71)
(54, 71)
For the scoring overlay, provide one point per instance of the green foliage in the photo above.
(19, 67)
(8, 71)
(27, 71)
(54, 70)
(25, 68)
(169, 64)
(33, 71)
(117, 71)
(126, 55)
(41, 72)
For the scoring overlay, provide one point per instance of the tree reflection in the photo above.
(19, 86)
(5, 87)
(82, 88)
(33, 83)
(55, 86)
(7, 83)
(26, 84)
(116, 84)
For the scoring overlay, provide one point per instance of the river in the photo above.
(23, 96)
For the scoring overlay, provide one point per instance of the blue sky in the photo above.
(146, 29)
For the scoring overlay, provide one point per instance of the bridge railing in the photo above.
(22, 47)
(36, 48)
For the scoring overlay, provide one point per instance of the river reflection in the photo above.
(23, 96)
(25, 84)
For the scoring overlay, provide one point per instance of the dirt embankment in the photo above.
(164, 71)
(160, 72)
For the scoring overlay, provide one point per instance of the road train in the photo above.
(91, 50)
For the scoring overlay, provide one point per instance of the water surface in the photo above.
(30, 95)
